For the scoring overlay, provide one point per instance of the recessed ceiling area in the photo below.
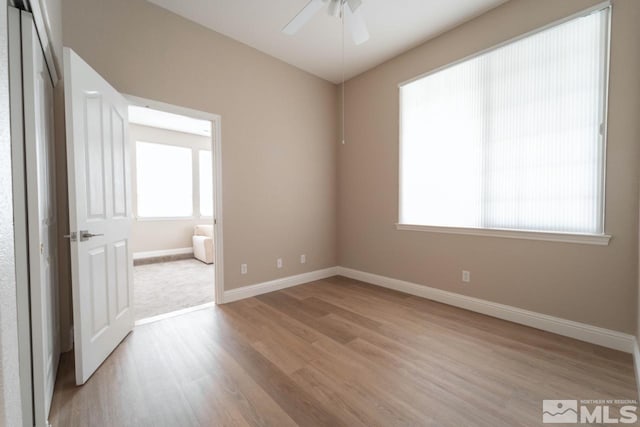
(163, 120)
(394, 27)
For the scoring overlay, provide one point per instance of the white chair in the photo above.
(203, 243)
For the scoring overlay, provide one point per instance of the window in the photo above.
(206, 183)
(513, 138)
(164, 180)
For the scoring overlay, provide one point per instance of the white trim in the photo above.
(587, 239)
(161, 253)
(170, 108)
(636, 363)
(568, 328)
(19, 253)
(42, 304)
(174, 313)
(216, 141)
(43, 27)
(604, 121)
(277, 284)
(163, 218)
(580, 331)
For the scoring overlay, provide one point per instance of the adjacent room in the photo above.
(172, 193)
(319, 213)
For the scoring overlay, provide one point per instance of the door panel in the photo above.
(122, 283)
(99, 290)
(99, 204)
(94, 153)
(41, 215)
(118, 162)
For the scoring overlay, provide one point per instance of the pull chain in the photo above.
(343, 103)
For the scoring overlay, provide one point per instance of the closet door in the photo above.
(41, 216)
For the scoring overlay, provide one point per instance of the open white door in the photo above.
(99, 214)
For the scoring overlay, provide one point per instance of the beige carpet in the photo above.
(169, 286)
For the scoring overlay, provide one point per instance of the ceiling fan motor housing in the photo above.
(347, 9)
(335, 6)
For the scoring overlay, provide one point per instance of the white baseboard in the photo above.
(164, 252)
(277, 284)
(580, 331)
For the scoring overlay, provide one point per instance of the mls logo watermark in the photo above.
(560, 411)
(589, 411)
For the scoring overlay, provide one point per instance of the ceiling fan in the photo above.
(352, 15)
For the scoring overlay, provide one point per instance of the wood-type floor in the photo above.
(337, 352)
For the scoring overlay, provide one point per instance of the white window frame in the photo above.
(198, 150)
(195, 177)
(193, 187)
(592, 239)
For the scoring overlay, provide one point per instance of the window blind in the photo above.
(511, 138)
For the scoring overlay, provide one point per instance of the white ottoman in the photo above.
(203, 243)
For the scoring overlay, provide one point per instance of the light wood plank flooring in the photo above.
(337, 353)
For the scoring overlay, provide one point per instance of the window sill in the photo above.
(178, 218)
(586, 239)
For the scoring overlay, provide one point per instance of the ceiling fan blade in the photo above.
(335, 6)
(303, 17)
(354, 5)
(357, 26)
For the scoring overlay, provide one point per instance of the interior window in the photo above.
(164, 180)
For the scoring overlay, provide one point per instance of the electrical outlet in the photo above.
(303, 259)
(466, 276)
(279, 262)
(243, 268)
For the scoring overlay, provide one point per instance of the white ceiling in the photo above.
(395, 26)
(161, 119)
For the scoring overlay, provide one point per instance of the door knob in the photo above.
(85, 235)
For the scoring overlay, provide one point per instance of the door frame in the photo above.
(43, 389)
(20, 225)
(216, 150)
(22, 25)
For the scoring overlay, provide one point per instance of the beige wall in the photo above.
(279, 129)
(591, 284)
(155, 235)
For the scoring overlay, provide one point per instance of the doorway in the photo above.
(173, 172)
(101, 211)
